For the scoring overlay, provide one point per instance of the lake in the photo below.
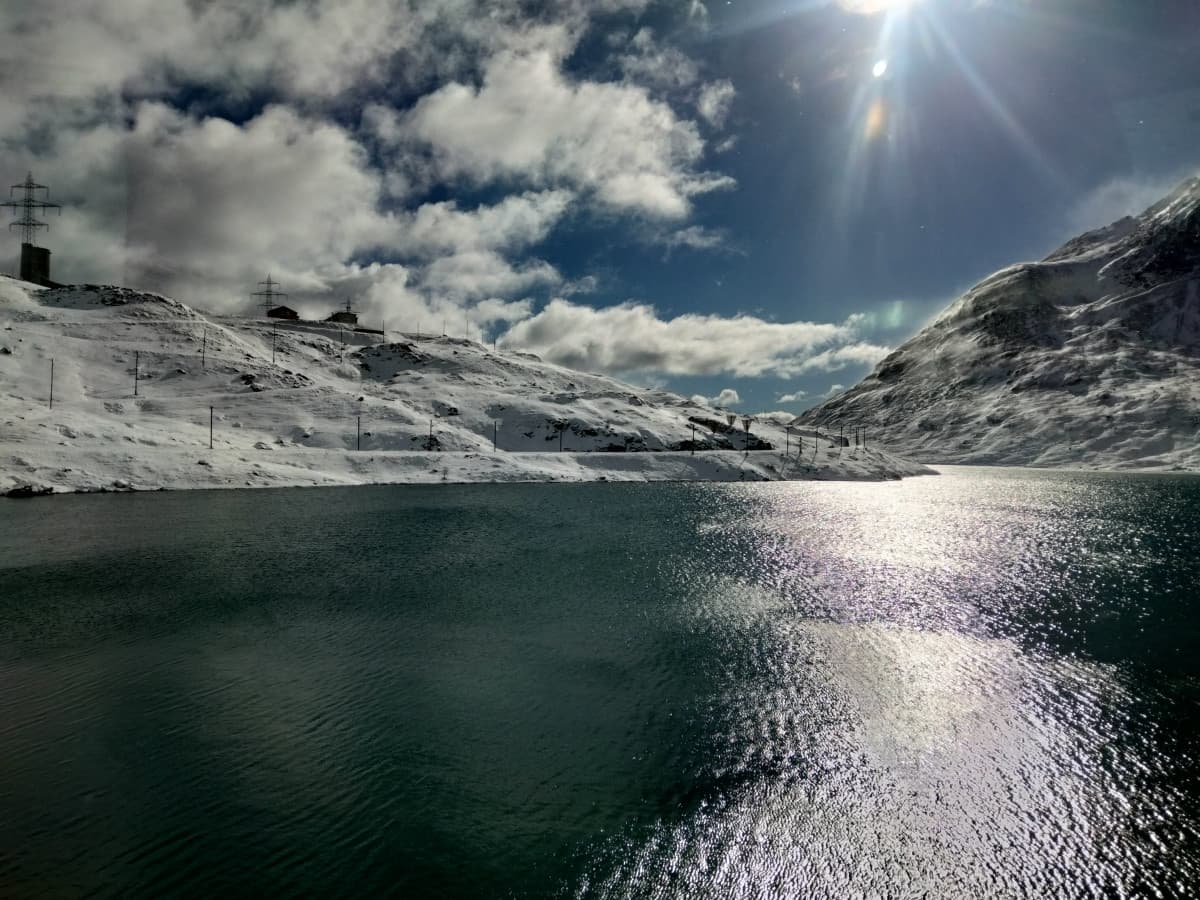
(985, 684)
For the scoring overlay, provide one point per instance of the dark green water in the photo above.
(980, 685)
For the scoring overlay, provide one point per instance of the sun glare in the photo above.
(880, 68)
(872, 7)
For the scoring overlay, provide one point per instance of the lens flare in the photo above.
(880, 68)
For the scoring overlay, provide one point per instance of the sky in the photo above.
(750, 202)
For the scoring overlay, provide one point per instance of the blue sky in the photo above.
(749, 197)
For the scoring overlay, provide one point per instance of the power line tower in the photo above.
(35, 260)
(268, 294)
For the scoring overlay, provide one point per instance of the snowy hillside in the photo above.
(337, 407)
(1088, 358)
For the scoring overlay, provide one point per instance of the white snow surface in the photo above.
(1089, 358)
(296, 421)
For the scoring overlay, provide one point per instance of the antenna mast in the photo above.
(268, 293)
(27, 205)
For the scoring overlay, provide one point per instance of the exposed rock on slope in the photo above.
(1090, 357)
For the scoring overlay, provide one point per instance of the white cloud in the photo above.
(530, 122)
(649, 63)
(793, 397)
(483, 272)
(715, 100)
(514, 223)
(694, 237)
(727, 397)
(632, 337)
(834, 390)
(858, 353)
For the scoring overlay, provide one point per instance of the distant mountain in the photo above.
(317, 404)
(1090, 357)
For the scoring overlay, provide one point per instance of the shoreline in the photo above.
(73, 471)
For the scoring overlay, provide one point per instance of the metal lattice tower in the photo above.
(27, 206)
(269, 294)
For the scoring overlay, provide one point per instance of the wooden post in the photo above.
(204, 349)
(359, 440)
(495, 435)
(272, 343)
(693, 424)
(561, 429)
(429, 445)
(210, 427)
(52, 384)
(787, 440)
(135, 372)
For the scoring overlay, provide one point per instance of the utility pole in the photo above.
(52, 384)
(269, 295)
(35, 263)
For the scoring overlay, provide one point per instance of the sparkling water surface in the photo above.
(985, 684)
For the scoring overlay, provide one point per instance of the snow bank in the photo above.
(139, 380)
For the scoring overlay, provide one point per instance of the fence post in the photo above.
(359, 439)
(52, 384)
(204, 349)
(210, 428)
(693, 424)
(495, 435)
(136, 360)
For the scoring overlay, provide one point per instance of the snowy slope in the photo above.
(1089, 358)
(428, 407)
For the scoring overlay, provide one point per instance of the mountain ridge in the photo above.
(1089, 357)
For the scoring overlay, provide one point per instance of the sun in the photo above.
(873, 7)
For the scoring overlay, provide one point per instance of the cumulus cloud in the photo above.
(125, 109)
(793, 397)
(480, 273)
(632, 337)
(657, 66)
(514, 223)
(715, 100)
(727, 397)
(529, 121)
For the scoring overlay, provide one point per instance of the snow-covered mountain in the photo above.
(337, 407)
(1090, 357)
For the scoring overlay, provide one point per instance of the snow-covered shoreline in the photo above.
(303, 404)
(65, 470)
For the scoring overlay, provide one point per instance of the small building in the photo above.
(344, 317)
(283, 312)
